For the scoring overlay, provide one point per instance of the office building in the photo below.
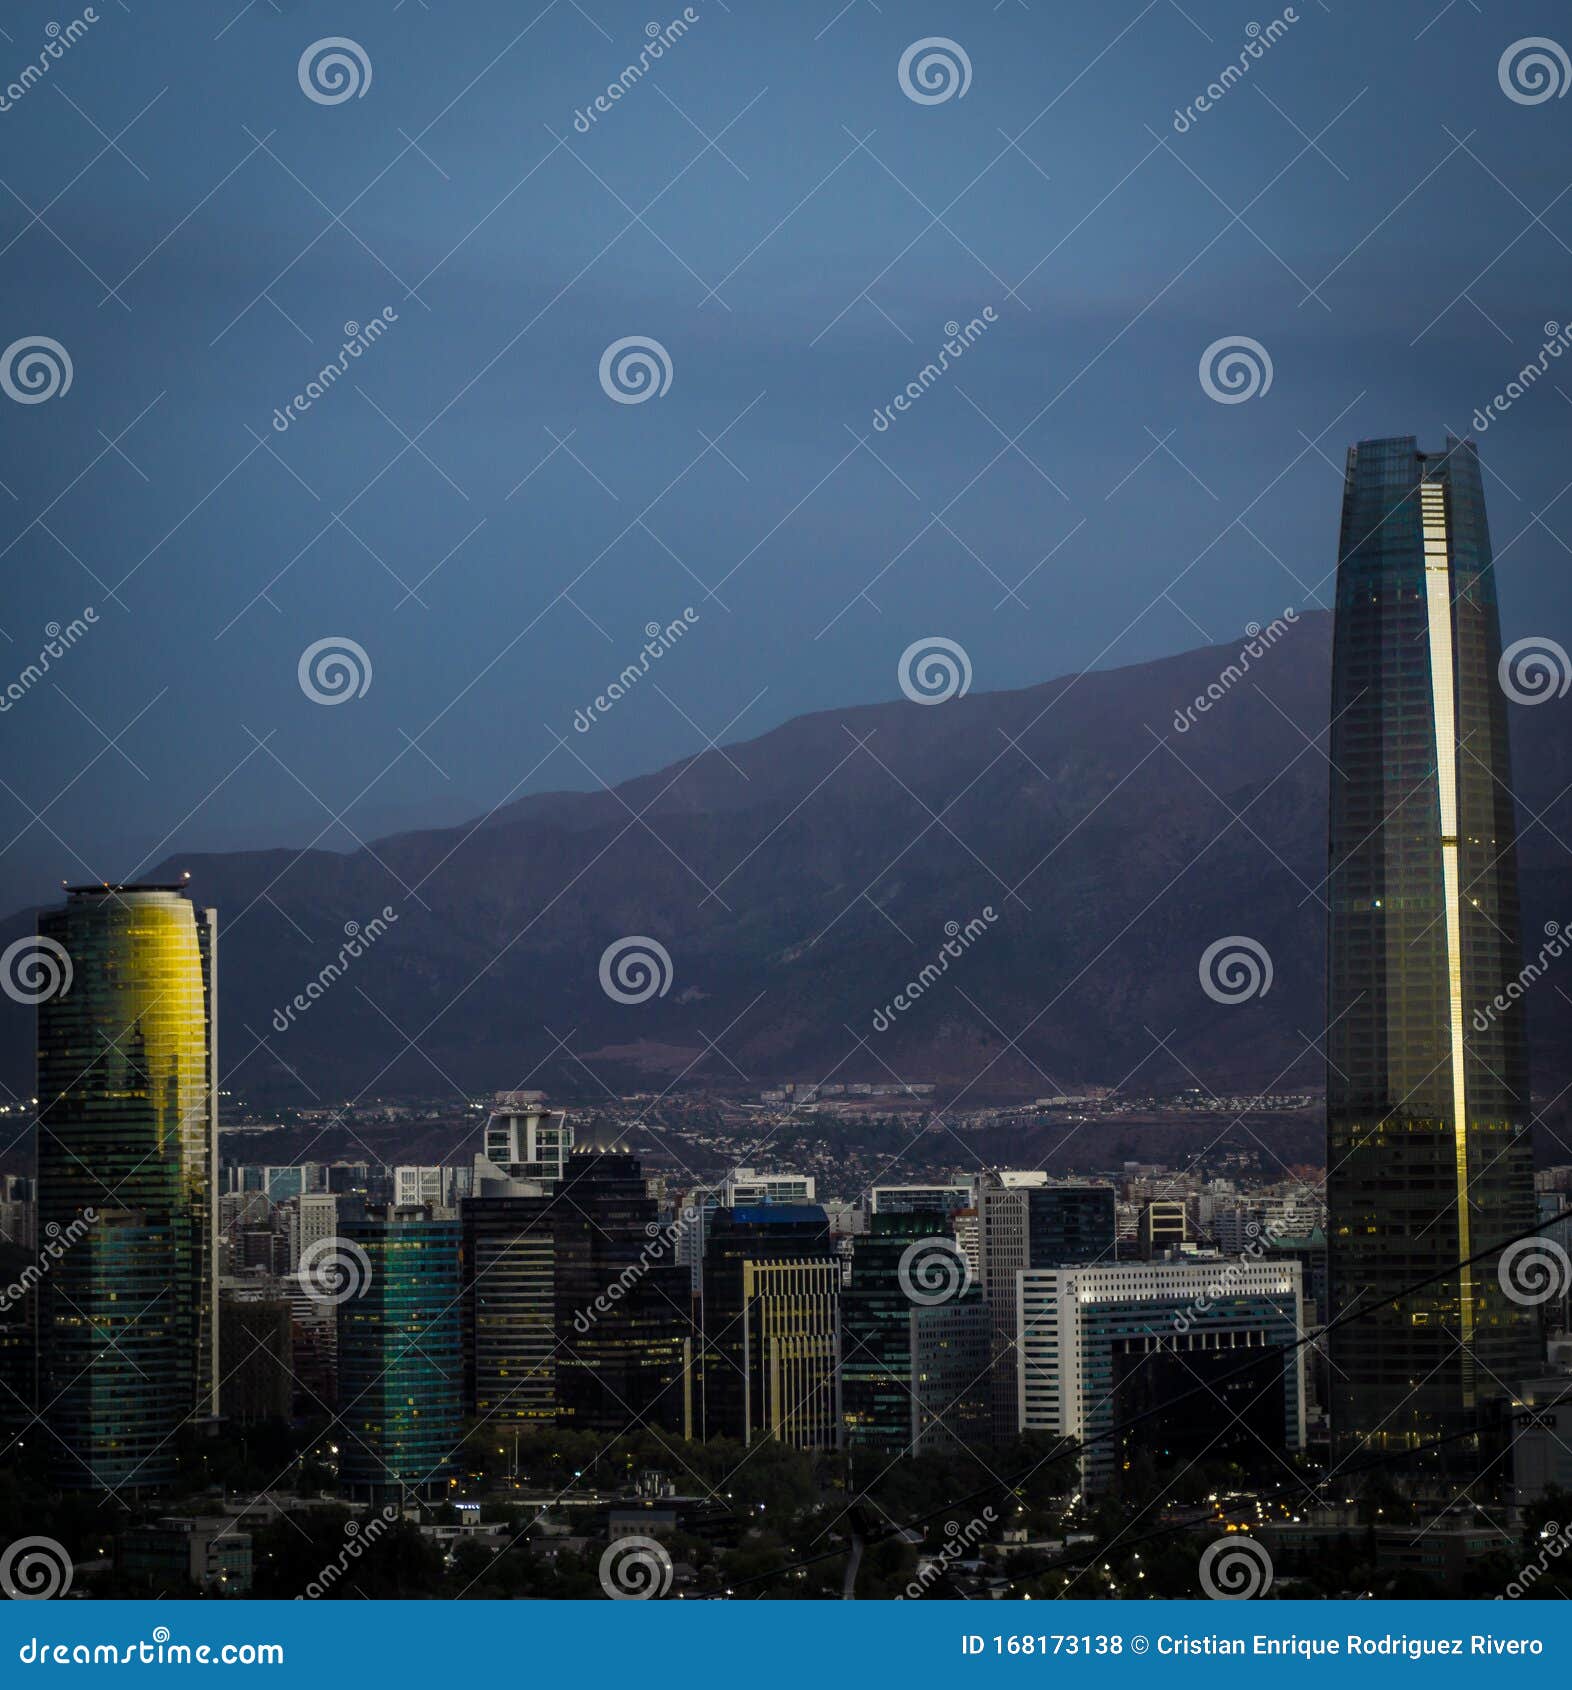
(951, 1368)
(770, 1316)
(510, 1317)
(1207, 1351)
(1164, 1225)
(1024, 1223)
(254, 1339)
(1428, 1153)
(128, 1134)
(922, 1199)
(876, 1321)
(744, 1187)
(400, 1359)
(618, 1302)
(525, 1140)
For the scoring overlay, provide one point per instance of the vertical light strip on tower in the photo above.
(1438, 602)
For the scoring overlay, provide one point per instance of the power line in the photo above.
(1119, 1428)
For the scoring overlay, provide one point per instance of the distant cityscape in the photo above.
(832, 1337)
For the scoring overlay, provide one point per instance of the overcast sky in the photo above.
(767, 203)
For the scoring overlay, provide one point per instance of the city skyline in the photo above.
(894, 844)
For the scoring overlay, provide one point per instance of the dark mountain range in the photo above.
(800, 880)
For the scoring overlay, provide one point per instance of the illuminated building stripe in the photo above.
(1438, 601)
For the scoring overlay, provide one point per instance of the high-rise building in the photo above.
(1206, 1352)
(1428, 1152)
(951, 1364)
(400, 1360)
(254, 1332)
(589, 1261)
(770, 1315)
(743, 1187)
(526, 1140)
(1023, 1223)
(128, 1142)
(889, 1263)
(510, 1319)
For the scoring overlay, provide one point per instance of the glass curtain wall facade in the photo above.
(400, 1358)
(876, 1329)
(128, 1132)
(1428, 1156)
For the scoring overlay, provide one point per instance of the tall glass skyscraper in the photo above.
(128, 1142)
(1428, 1155)
(400, 1356)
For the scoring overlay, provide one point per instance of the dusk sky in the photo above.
(472, 508)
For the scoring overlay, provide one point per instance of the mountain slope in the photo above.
(801, 879)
